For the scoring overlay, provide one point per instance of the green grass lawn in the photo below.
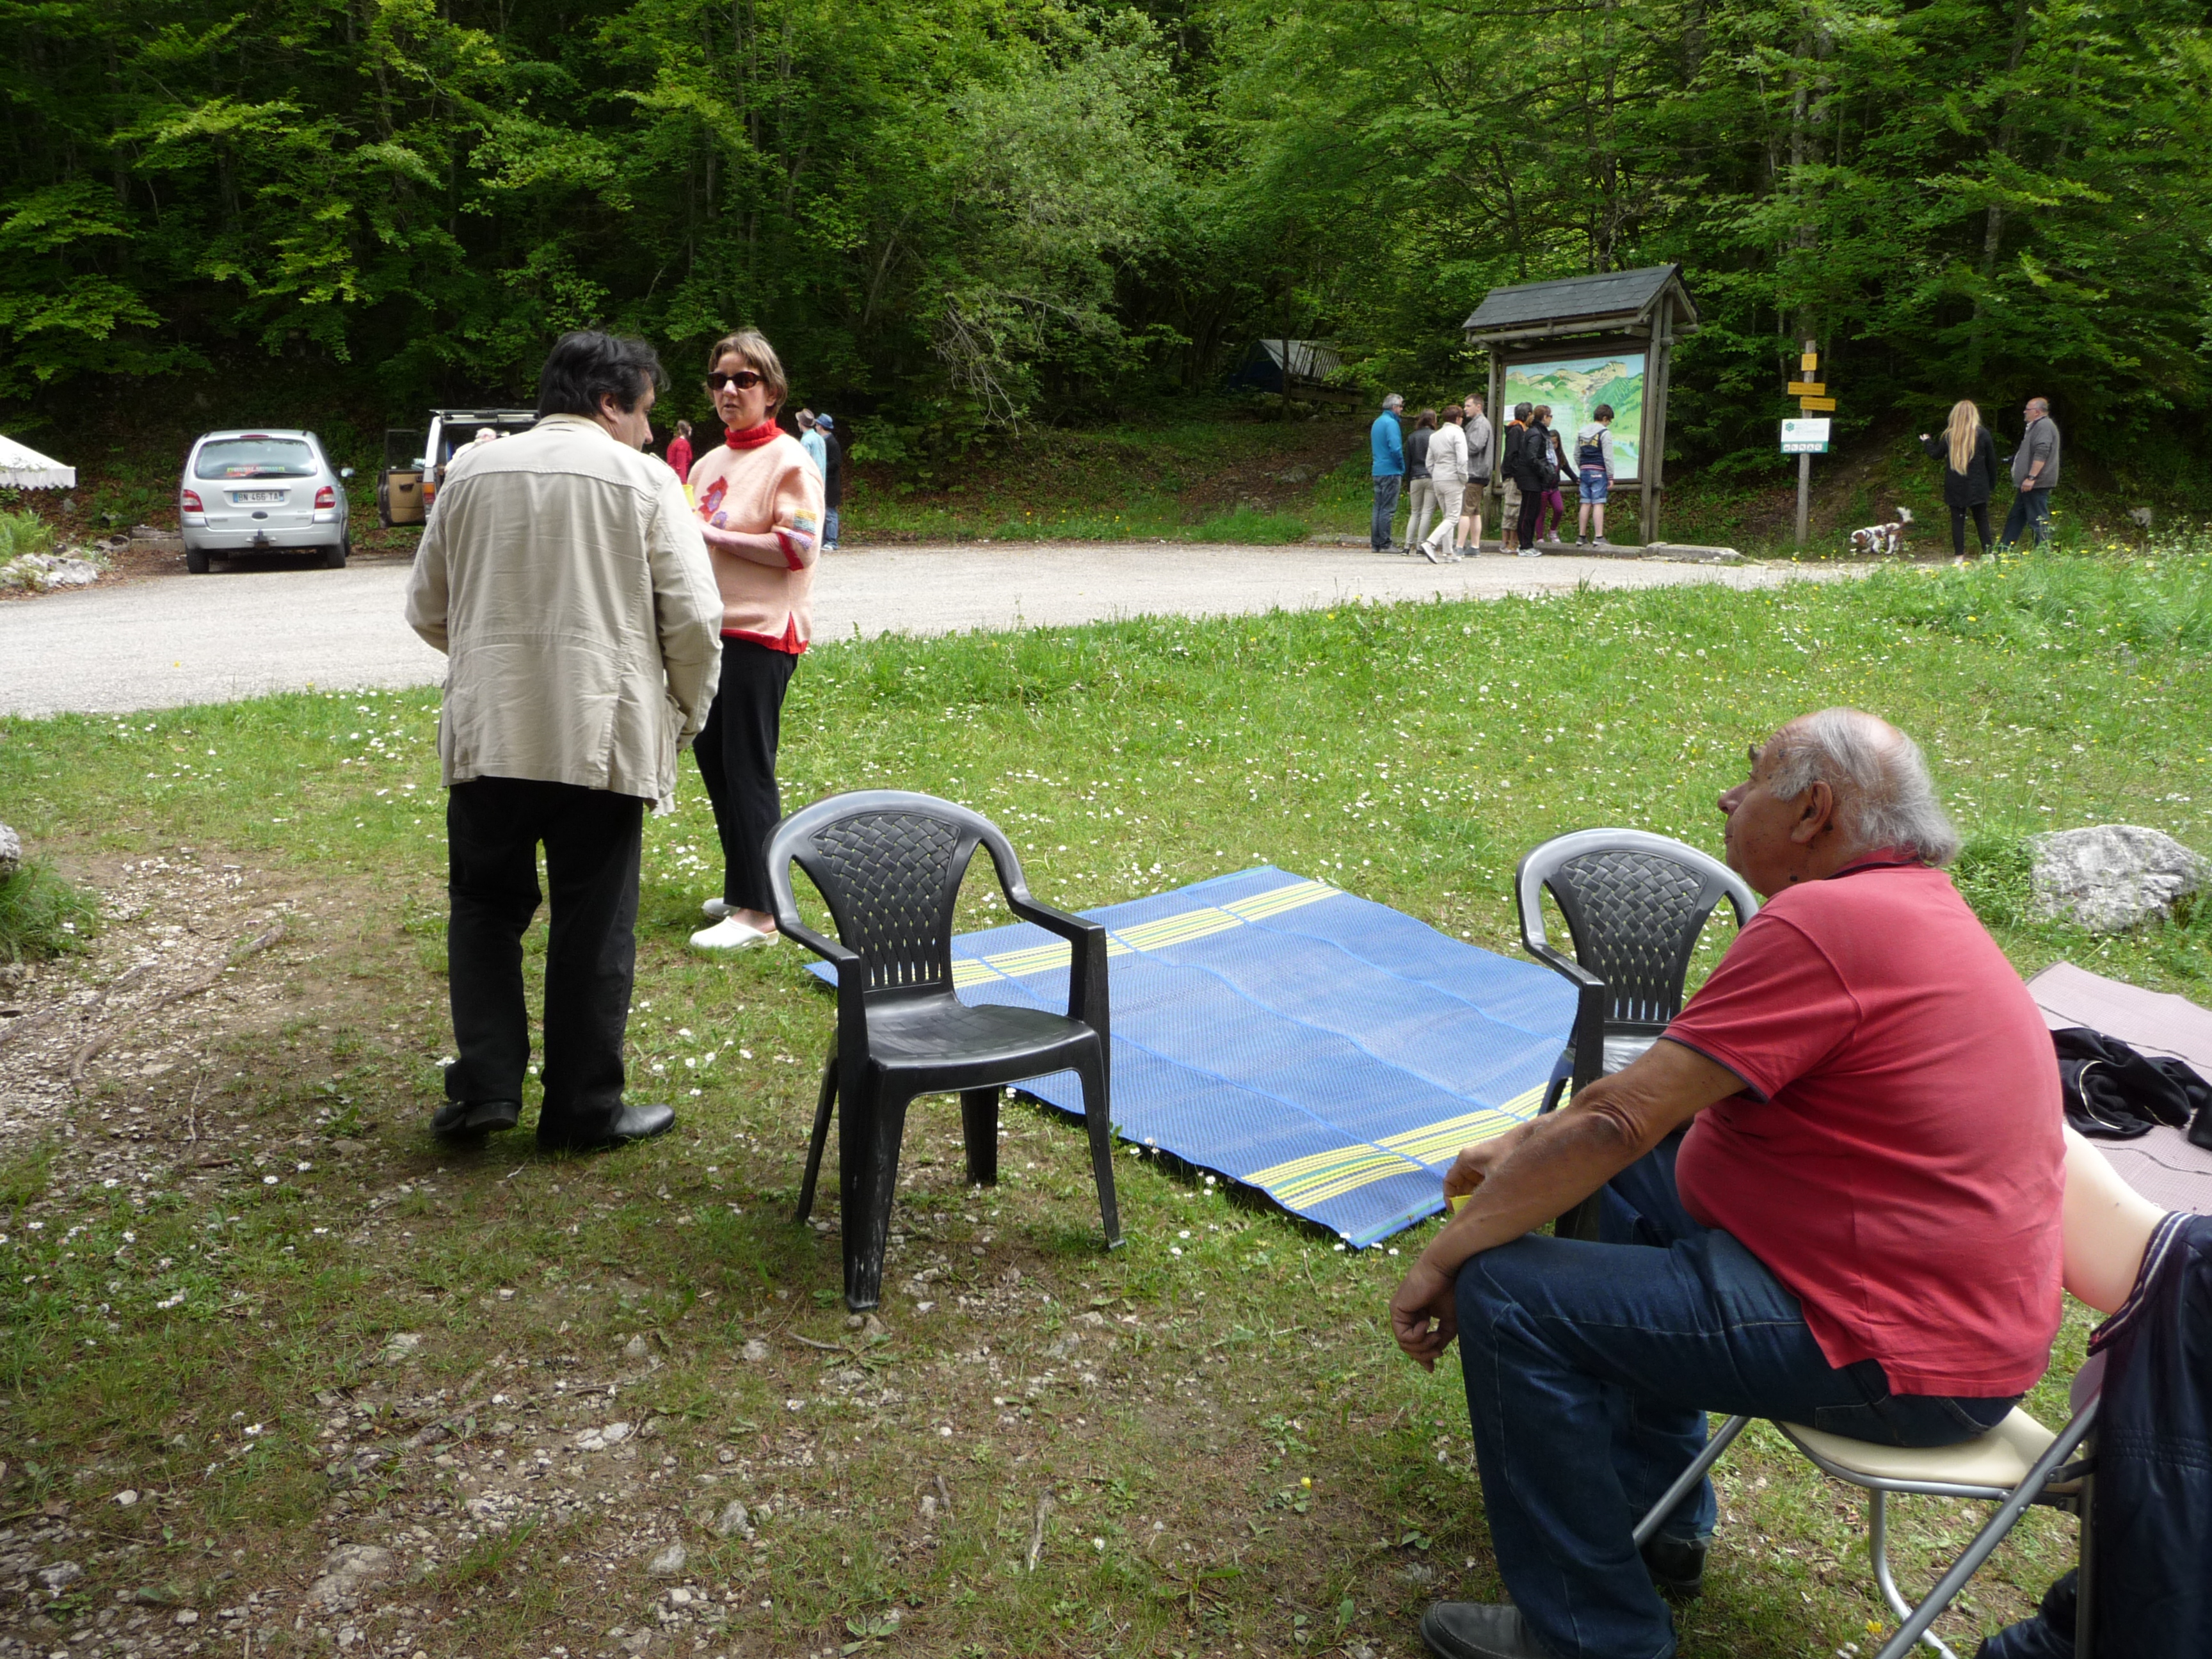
(214, 1332)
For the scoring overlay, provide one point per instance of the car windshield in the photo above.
(255, 457)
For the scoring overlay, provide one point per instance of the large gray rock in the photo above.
(46, 573)
(2112, 876)
(11, 852)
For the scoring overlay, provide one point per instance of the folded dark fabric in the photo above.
(2114, 1093)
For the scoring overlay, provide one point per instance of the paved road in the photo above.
(173, 640)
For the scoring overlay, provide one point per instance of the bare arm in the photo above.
(1543, 1169)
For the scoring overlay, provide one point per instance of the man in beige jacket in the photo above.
(563, 574)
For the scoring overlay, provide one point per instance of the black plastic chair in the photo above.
(889, 863)
(1635, 904)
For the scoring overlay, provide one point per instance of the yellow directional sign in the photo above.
(1813, 405)
(1805, 388)
(1808, 362)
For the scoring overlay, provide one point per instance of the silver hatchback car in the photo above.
(251, 492)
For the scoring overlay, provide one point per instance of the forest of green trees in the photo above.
(963, 213)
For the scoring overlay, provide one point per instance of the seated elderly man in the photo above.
(1831, 1196)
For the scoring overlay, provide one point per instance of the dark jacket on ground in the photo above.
(1978, 482)
(2154, 1449)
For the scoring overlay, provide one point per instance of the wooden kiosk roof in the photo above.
(1626, 301)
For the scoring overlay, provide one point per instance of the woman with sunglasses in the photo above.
(759, 501)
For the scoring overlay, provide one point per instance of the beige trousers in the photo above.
(1449, 498)
(1423, 503)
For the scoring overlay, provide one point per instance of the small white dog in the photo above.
(1883, 538)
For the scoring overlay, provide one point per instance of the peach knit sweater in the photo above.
(773, 488)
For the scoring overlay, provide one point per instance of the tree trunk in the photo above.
(1993, 225)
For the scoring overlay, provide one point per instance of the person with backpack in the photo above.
(1448, 478)
(1969, 455)
(1536, 470)
(1424, 504)
(1594, 475)
(1508, 463)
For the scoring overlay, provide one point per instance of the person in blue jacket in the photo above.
(1389, 441)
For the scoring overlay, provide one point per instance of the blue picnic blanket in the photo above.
(1329, 1050)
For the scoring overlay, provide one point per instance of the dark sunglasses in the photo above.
(745, 380)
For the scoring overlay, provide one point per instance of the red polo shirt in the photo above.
(1896, 1160)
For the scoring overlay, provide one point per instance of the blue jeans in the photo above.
(1386, 508)
(829, 527)
(2029, 508)
(1589, 1369)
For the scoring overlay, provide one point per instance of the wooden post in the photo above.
(1496, 485)
(1657, 370)
(1644, 421)
(1805, 483)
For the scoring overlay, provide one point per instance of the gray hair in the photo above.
(1884, 796)
(1395, 400)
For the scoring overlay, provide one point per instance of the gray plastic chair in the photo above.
(889, 863)
(1634, 904)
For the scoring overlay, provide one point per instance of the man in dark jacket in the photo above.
(833, 480)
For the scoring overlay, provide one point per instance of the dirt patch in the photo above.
(172, 969)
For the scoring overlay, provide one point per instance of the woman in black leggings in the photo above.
(1969, 455)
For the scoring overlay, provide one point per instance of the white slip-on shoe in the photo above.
(730, 934)
(715, 909)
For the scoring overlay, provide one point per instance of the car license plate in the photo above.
(243, 497)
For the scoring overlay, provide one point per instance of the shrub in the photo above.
(21, 533)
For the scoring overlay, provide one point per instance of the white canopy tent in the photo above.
(24, 468)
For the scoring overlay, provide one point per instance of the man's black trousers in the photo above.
(591, 839)
(736, 762)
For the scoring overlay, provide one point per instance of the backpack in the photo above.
(1537, 470)
(1590, 452)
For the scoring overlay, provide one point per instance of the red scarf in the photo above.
(752, 438)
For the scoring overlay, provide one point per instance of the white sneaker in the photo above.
(1429, 552)
(730, 934)
(1530, 552)
(715, 909)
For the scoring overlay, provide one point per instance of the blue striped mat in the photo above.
(1281, 1031)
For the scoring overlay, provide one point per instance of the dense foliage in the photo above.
(966, 211)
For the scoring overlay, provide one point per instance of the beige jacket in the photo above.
(564, 576)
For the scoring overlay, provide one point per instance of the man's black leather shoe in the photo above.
(1676, 1566)
(631, 1123)
(1478, 1629)
(472, 1120)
